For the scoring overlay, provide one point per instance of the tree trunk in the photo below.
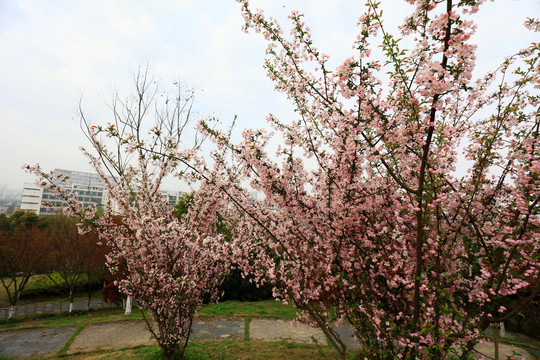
(495, 328)
(70, 301)
(128, 306)
(502, 329)
(11, 311)
(171, 352)
(12, 307)
(89, 297)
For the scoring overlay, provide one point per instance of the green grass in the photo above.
(261, 309)
(71, 339)
(217, 350)
(247, 322)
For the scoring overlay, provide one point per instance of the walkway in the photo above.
(55, 307)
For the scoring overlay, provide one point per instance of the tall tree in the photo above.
(171, 264)
(94, 266)
(364, 218)
(69, 256)
(21, 250)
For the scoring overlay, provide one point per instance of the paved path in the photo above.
(56, 307)
(48, 341)
(35, 343)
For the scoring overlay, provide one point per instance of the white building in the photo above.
(31, 198)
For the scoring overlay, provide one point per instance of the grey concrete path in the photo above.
(55, 307)
(35, 343)
(42, 342)
(133, 333)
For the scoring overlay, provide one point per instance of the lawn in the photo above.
(262, 309)
(218, 350)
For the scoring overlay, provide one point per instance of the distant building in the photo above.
(172, 197)
(31, 198)
(90, 189)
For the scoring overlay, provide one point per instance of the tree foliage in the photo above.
(22, 245)
(364, 217)
(70, 257)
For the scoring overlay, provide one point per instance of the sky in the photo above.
(55, 53)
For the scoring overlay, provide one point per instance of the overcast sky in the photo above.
(53, 52)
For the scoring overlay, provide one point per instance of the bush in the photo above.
(111, 294)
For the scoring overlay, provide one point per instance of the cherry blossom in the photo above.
(169, 265)
(363, 218)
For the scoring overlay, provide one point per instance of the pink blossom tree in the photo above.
(170, 265)
(364, 219)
